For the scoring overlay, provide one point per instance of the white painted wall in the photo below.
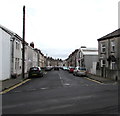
(30, 57)
(89, 59)
(35, 58)
(26, 58)
(0, 54)
(93, 69)
(4, 55)
(17, 54)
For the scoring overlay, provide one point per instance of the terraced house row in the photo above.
(103, 61)
(84, 57)
(11, 55)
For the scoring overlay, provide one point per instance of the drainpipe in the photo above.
(12, 39)
(117, 58)
(116, 78)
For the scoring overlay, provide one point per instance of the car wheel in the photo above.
(74, 74)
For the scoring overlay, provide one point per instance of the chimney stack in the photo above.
(32, 44)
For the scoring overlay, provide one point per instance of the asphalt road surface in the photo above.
(59, 92)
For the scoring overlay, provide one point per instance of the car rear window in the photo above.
(34, 69)
(72, 67)
(82, 68)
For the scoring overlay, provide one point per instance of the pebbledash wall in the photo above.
(4, 55)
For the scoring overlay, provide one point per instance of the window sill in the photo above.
(103, 52)
(112, 51)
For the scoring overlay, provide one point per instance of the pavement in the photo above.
(101, 79)
(11, 82)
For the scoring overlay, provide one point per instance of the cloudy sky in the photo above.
(58, 27)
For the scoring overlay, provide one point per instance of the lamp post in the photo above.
(23, 43)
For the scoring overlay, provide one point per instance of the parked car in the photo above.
(48, 68)
(80, 71)
(56, 68)
(65, 68)
(71, 69)
(35, 72)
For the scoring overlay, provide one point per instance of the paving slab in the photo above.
(10, 82)
(101, 79)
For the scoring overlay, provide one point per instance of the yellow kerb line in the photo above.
(11, 88)
(94, 80)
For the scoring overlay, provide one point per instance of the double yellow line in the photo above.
(93, 80)
(13, 87)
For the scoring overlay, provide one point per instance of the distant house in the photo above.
(88, 57)
(31, 57)
(40, 57)
(109, 55)
(42, 63)
(71, 60)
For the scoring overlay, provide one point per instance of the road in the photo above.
(59, 92)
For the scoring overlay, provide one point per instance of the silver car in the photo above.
(80, 71)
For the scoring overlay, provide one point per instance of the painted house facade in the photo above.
(11, 54)
(41, 59)
(88, 57)
(109, 55)
(5, 54)
(71, 60)
(16, 55)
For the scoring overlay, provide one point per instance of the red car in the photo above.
(71, 69)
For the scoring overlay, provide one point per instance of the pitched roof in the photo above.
(11, 33)
(89, 51)
(115, 33)
(7, 30)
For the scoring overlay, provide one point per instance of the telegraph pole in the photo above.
(23, 43)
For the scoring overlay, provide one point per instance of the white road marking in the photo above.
(17, 91)
(67, 84)
(61, 79)
(45, 73)
(64, 84)
(44, 88)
